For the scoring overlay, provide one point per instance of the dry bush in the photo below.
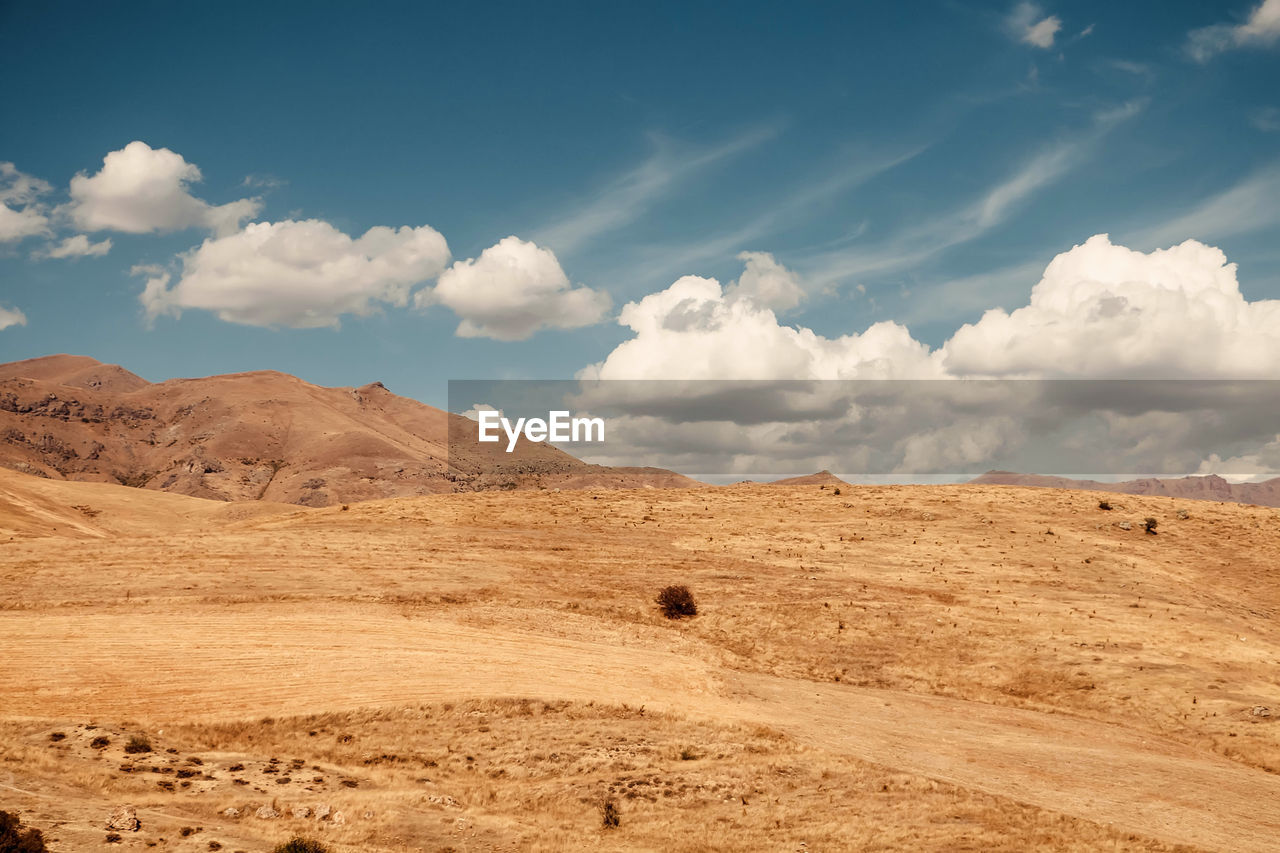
(677, 602)
(14, 839)
(610, 818)
(298, 844)
(138, 744)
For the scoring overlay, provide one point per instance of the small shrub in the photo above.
(137, 744)
(1150, 525)
(687, 754)
(100, 742)
(837, 491)
(298, 844)
(1104, 504)
(14, 839)
(114, 838)
(54, 737)
(610, 817)
(677, 602)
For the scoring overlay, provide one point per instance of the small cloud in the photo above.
(1261, 29)
(301, 274)
(1266, 119)
(21, 213)
(1137, 69)
(262, 182)
(141, 189)
(1028, 24)
(77, 246)
(511, 291)
(1087, 31)
(11, 317)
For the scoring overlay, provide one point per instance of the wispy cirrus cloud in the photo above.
(1260, 29)
(1247, 207)
(793, 209)
(629, 196)
(924, 240)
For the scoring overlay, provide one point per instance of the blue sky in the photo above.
(914, 163)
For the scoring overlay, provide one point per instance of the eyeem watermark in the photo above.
(559, 426)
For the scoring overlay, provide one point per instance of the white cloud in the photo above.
(21, 215)
(1029, 25)
(694, 330)
(511, 291)
(303, 274)
(766, 283)
(76, 246)
(1262, 464)
(1099, 311)
(1247, 207)
(11, 317)
(928, 238)
(1261, 29)
(630, 196)
(1266, 119)
(1103, 310)
(141, 189)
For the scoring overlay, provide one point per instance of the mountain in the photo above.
(1209, 488)
(263, 436)
(822, 478)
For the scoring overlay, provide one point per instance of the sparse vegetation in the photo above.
(299, 844)
(1149, 525)
(1104, 504)
(15, 839)
(610, 817)
(677, 602)
(100, 742)
(138, 744)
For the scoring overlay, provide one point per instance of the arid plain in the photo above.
(946, 668)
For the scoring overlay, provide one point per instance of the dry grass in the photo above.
(904, 626)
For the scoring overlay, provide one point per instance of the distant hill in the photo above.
(822, 478)
(1209, 488)
(261, 436)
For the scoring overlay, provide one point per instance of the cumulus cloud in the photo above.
(1103, 310)
(511, 291)
(1100, 310)
(11, 317)
(1260, 29)
(77, 246)
(141, 189)
(1262, 464)
(303, 274)
(1029, 25)
(766, 283)
(21, 214)
(695, 330)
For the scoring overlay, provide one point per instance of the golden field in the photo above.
(887, 668)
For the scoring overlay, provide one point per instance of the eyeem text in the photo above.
(559, 426)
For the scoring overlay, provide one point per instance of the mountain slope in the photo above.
(1210, 488)
(260, 436)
